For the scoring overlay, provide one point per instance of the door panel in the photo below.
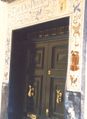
(58, 54)
(39, 57)
(38, 94)
(40, 72)
(46, 80)
(56, 104)
(37, 80)
(59, 57)
(57, 64)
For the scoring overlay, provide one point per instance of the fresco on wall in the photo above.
(7, 61)
(75, 42)
(74, 61)
(62, 5)
(38, 11)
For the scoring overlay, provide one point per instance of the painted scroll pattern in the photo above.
(74, 68)
(38, 11)
(7, 61)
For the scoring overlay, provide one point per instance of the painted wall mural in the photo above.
(38, 11)
(74, 61)
(63, 4)
(75, 48)
(7, 61)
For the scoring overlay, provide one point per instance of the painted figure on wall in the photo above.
(74, 60)
(62, 4)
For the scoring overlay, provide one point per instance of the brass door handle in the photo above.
(49, 72)
(59, 95)
(31, 116)
(30, 91)
(47, 111)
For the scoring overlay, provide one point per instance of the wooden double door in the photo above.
(46, 75)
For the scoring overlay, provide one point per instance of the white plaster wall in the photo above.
(3, 35)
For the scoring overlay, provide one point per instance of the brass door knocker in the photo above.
(49, 72)
(58, 96)
(31, 91)
(31, 116)
(47, 112)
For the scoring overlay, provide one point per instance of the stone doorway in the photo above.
(21, 82)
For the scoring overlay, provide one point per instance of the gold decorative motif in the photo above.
(76, 29)
(58, 96)
(31, 91)
(32, 116)
(47, 112)
(73, 80)
(62, 4)
(74, 61)
(49, 72)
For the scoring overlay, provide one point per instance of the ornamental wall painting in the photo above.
(37, 10)
(62, 5)
(73, 82)
(74, 66)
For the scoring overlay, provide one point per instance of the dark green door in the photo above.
(46, 75)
